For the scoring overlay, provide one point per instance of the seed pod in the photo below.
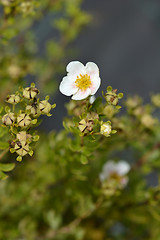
(45, 107)
(30, 92)
(21, 148)
(13, 99)
(8, 119)
(23, 120)
(106, 129)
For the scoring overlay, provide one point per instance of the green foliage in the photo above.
(63, 190)
(22, 54)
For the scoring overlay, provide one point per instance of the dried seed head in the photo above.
(13, 99)
(45, 107)
(21, 148)
(30, 92)
(23, 136)
(23, 120)
(8, 119)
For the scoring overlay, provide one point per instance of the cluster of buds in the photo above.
(21, 121)
(112, 98)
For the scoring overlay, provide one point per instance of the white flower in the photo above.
(115, 170)
(81, 81)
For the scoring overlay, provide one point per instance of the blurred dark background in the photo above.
(123, 39)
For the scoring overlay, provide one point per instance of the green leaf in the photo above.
(96, 103)
(4, 145)
(7, 166)
(83, 159)
(3, 175)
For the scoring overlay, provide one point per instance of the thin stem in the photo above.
(13, 107)
(76, 222)
(4, 153)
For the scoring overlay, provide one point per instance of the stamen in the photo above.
(83, 82)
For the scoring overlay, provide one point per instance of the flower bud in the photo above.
(30, 92)
(13, 99)
(14, 71)
(111, 98)
(156, 100)
(148, 121)
(109, 111)
(21, 148)
(45, 107)
(23, 120)
(106, 129)
(8, 119)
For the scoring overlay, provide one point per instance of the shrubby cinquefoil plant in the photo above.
(66, 187)
(83, 185)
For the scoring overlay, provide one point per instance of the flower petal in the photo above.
(108, 168)
(123, 168)
(81, 94)
(96, 81)
(75, 67)
(92, 99)
(92, 69)
(67, 86)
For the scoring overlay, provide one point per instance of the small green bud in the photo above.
(22, 148)
(109, 111)
(19, 158)
(23, 120)
(45, 107)
(8, 119)
(106, 129)
(13, 99)
(30, 92)
(12, 150)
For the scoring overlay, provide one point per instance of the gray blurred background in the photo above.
(123, 39)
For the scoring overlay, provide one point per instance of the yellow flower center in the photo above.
(83, 82)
